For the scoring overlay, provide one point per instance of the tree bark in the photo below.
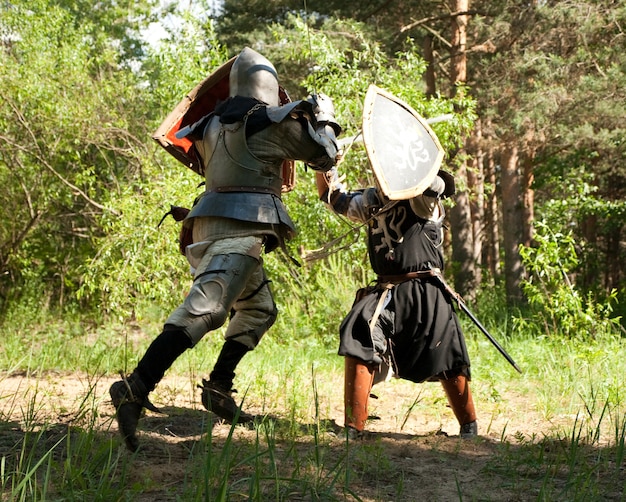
(528, 199)
(462, 240)
(491, 248)
(429, 75)
(458, 72)
(463, 248)
(512, 223)
(476, 186)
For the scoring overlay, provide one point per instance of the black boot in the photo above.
(220, 401)
(161, 354)
(129, 397)
(217, 391)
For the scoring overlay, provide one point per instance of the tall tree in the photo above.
(548, 86)
(465, 247)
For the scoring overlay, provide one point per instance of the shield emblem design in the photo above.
(404, 152)
(197, 104)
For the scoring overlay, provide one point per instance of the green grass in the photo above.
(557, 432)
(296, 456)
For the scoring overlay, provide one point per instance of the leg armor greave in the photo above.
(359, 378)
(213, 294)
(460, 399)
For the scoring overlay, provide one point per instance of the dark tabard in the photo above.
(418, 330)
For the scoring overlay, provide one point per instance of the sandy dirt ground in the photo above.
(412, 451)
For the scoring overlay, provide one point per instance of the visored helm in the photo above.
(253, 76)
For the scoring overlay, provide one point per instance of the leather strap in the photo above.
(397, 279)
(379, 306)
(230, 189)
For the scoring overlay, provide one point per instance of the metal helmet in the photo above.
(254, 76)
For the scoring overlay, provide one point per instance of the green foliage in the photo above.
(594, 222)
(549, 78)
(83, 191)
(187, 55)
(70, 125)
(313, 300)
(137, 263)
(109, 22)
(556, 307)
(343, 67)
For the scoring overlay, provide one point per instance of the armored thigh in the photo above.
(219, 282)
(254, 311)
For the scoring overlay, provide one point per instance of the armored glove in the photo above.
(438, 186)
(324, 111)
(426, 204)
(442, 186)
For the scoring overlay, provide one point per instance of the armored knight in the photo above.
(403, 324)
(241, 145)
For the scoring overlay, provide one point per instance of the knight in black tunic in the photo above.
(404, 323)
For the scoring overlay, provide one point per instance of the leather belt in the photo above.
(397, 279)
(229, 189)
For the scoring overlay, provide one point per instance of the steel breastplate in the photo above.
(232, 166)
(239, 185)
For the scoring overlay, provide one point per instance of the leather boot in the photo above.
(219, 400)
(460, 399)
(217, 391)
(129, 397)
(358, 380)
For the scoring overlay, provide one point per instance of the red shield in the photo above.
(198, 103)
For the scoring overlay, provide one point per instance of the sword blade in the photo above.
(454, 296)
(488, 335)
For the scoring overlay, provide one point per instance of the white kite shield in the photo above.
(404, 152)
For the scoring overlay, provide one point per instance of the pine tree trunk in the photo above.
(429, 75)
(463, 249)
(512, 223)
(476, 186)
(529, 200)
(491, 248)
(462, 240)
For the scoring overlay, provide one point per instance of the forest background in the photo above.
(532, 96)
(536, 141)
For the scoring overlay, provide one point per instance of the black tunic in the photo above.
(419, 325)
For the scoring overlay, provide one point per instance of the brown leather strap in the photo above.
(396, 279)
(228, 189)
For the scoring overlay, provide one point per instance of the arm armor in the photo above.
(324, 111)
(322, 133)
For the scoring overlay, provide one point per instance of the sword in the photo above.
(455, 296)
